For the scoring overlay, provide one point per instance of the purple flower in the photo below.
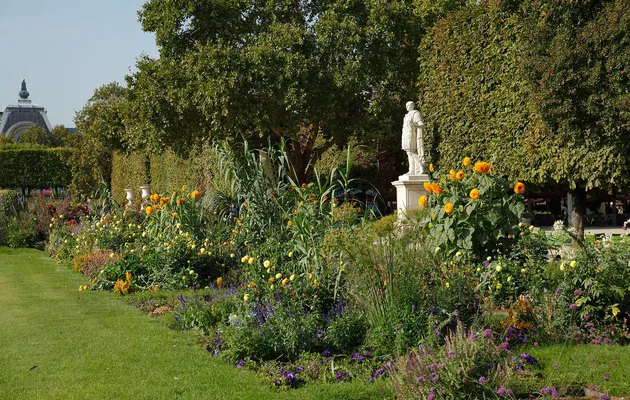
(240, 363)
(606, 377)
(483, 380)
(473, 338)
(327, 353)
(487, 333)
(528, 358)
(572, 306)
(550, 391)
(340, 376)
(555, 366)
(604, 397)
(434, 377)
(504, 391)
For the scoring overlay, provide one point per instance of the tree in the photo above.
(35, 134)
(263, 69)
(539, 89)
(101, 130)
(577, 65)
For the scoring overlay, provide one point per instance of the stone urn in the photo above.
(129, 196)
(146, 192)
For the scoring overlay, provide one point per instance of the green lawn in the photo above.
(59, 343)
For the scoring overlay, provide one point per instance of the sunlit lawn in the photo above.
(59, 343)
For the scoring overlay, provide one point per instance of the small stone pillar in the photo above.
(409, 188)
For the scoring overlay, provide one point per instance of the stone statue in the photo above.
(412, 140)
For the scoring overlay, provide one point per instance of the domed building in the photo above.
(17, 118)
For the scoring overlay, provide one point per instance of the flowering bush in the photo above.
(469, 365)
(472, 211)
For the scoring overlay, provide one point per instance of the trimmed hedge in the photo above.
(33, 168)
(128, 172)
(166, 172)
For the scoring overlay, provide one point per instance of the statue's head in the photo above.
(410, 106)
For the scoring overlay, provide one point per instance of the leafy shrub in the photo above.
(595, 291)
(469, 365)
(8, 203)
(21, 231)
(472, 211)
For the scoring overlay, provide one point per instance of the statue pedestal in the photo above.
(409, 188)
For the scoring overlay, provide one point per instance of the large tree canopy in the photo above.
(278, 69)
(540, 88)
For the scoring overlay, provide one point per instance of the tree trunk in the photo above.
(301, 151)
(579, 210)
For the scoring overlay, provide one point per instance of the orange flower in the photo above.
(482, 167)
(219, 282)
(466, 161)
(519, 188)
(448, 208)
(180, 201)
(289, 224)
(149, 210)
(427, 187)
(155, 197)
(422, 201)
(474, 194)
(431, 168)
(174, 214)
(195, 194)
(128, 276)
(451, 174)
(436, 188)
(459, 175)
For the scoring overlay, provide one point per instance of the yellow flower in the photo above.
(447, 285)
(155, 197)
(251, 260)
(292, 277)
(451, 174)
(195, 194)
(519, 188)
(285, 281)
(482, 167)
(466, 161)
(174, 214)
(573, 264)
(245, 259)
(267, 263)
(499, 286)
(289, 223)
(431, 169)
(422, 201)
(246, 298)
(128, 276)
(149, 210)
(278, 275)
(474, 194)
(459, 175)
(427, 187)
(448, 208)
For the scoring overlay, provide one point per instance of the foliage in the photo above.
(468, 365)
(8, 203)
(34, 168)
(472, 212)
(596, 290)
(305, 84)
(473, 95)
(129, 171)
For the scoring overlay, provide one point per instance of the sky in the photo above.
(65, 49)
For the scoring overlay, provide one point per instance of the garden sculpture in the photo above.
(412, 141)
